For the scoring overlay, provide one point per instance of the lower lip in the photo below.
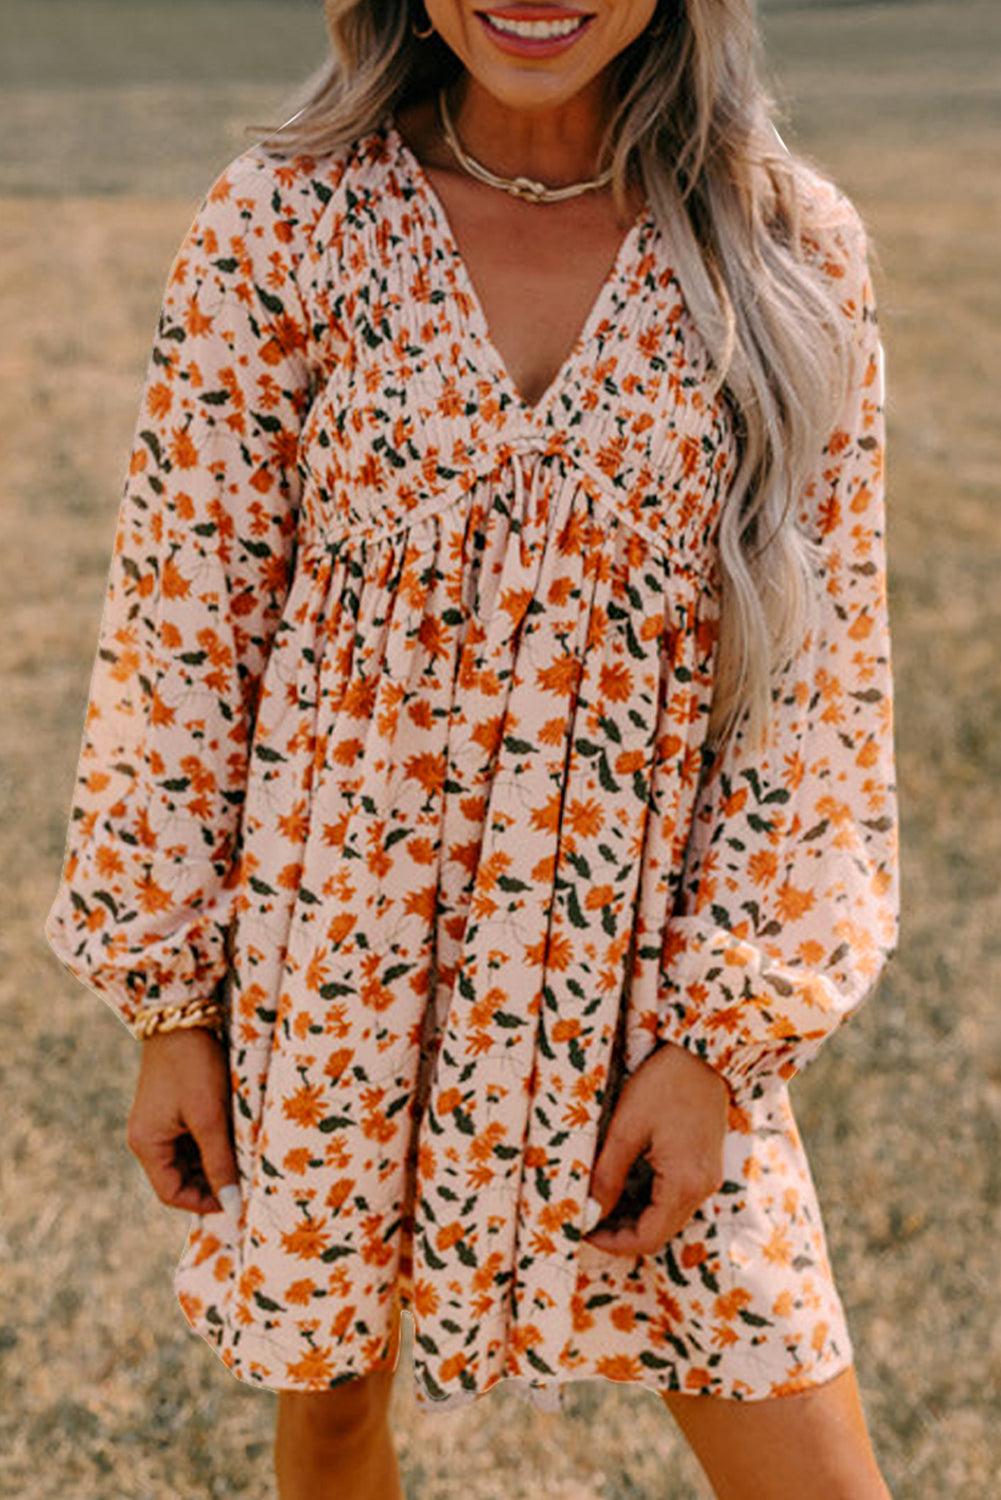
(523, 46)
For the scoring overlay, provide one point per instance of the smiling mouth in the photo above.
(548, 30)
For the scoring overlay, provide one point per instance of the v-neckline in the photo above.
(530, 411)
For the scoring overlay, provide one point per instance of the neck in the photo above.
(556, 144)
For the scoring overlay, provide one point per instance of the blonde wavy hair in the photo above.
(690, 114)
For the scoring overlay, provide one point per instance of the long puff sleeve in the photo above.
(788, 907)
(198, 580)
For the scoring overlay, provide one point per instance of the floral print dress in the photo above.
(395, 741)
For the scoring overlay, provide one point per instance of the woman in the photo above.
(486, 802)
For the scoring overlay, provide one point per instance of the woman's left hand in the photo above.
(674, 1110)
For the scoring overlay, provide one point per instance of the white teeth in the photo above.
(536, 29)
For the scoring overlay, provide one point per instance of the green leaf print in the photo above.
(270, 301)
(605, 776)
(672, 1267)
(574, 912)
(754, 1319)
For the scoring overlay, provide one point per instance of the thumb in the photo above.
(628, 1135)
(210, 1128)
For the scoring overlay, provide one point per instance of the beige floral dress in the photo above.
(395, 742)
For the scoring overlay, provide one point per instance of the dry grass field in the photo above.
(114, 118)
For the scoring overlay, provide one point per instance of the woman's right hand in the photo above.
(179, 1124)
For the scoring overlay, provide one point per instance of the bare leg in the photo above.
(337, 1444)
(814, 1443)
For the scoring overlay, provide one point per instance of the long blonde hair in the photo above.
(691, 115)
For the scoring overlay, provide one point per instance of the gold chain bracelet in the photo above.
(174, 1017)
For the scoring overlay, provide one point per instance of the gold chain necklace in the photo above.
(521, 187)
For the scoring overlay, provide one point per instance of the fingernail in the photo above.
(593, 1211)
(229, 1197)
